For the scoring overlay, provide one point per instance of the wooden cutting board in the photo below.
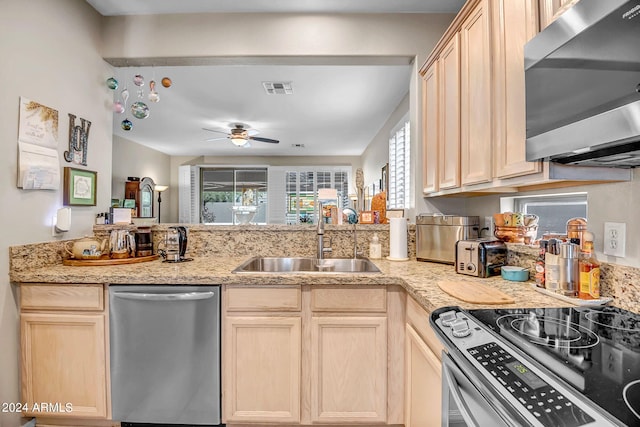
(105, 260)
(476, 293)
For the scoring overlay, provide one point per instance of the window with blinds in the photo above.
(302, 191)
(398, 194)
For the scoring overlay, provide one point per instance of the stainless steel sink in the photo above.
(280, 265)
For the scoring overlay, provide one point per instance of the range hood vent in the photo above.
(278, 88)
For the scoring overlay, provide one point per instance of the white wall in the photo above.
(50, 52)
(272, 34)
(131, 159)
(377, 153)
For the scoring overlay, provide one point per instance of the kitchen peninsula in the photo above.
(387, 311)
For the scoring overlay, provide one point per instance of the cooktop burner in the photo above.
(549, 331)
(596, 350)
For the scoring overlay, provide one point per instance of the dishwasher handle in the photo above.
(183, 296)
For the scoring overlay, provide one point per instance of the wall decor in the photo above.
(384, 184)
(79, 187)
(366, 217)
(38, 163)
(78, 141)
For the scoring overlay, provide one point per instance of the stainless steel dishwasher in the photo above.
(165, 354)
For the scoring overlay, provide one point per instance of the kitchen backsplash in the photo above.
(617, 281)
(258, 240)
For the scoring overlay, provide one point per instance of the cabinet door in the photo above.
(551, 9)
(514, 23)
(423, 388)
(262, 369)
(449, 109)
(475, 97)
(431, 127)
(349, 369)
(64, 361)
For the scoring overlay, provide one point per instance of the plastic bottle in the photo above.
(375, 248)
(589, 270)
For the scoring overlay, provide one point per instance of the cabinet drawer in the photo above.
(343, 299)
(264, 298)
(61, 297)
(419, 319)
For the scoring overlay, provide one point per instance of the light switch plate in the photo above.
(614, 239)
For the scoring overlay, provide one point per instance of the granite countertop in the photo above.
(418, 278)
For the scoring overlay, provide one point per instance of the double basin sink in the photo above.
(301, 265)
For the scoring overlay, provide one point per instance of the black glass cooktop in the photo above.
(596, 350)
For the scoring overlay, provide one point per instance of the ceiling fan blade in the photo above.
(257, 138)
(216, 139)
(213, 130)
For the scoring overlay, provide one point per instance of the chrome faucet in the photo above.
(320, 232)
(355, 243)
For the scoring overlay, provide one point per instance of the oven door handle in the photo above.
(448, 375)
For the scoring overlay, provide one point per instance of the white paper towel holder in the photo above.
(397, 259)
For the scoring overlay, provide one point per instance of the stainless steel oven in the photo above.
(572, 367)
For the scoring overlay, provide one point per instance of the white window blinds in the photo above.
(399, 167)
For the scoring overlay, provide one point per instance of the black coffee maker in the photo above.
(174, 246)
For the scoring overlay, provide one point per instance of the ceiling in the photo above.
(336, 109)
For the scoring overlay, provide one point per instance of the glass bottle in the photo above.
(589, 273)
(540, 264)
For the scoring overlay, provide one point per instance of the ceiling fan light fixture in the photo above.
(238, 140)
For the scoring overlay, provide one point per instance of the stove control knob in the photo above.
(460, 328)
(448, 318)
(471, 267)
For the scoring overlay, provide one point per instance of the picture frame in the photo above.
(395, 213)
(366, 217)
(80, 186)
(384, 181)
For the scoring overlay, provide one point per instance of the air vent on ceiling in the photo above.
(297, 145)
(278, 88)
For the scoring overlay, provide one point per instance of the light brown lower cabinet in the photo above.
(348, 369)
(64, 352)
(308, 355)
(263, 369)
(423, 397)
(423, 369)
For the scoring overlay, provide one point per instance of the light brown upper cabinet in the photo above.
(449, 117)
(430, 118)
(551, 9)
(474, 109)
(513, 24)
(475, 96)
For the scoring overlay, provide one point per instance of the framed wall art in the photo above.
(80, 187)
(366, 217)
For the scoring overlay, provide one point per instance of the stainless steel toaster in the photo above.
(480, 257)
(437, 234)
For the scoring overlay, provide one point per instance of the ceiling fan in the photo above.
(240, 135)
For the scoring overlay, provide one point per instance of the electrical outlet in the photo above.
(614, 238)
(488, 224)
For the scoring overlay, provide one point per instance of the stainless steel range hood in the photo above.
(582, 77)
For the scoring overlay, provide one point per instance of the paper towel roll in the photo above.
(398, 238)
